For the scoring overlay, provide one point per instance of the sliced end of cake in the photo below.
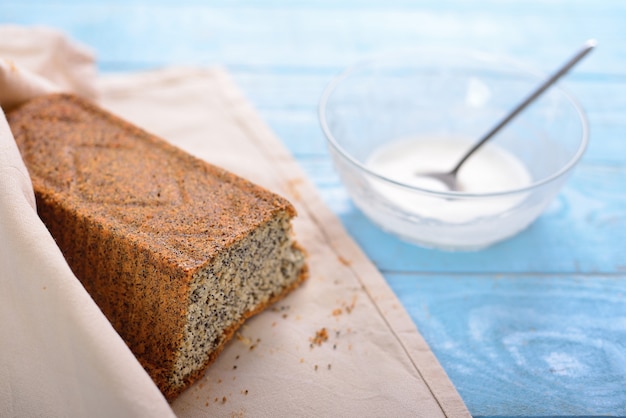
(258, 270)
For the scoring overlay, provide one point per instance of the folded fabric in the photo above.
(60, 356)
(52, 62)
(341, 345)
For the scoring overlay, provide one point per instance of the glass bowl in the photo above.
(438, 97)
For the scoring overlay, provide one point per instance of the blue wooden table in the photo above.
(534, 326)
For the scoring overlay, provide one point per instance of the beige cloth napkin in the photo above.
(341, 345)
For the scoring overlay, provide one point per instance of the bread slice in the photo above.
(176, 252)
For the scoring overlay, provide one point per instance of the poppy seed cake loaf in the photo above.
(176, 252)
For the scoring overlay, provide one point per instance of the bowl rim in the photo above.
(336, 81)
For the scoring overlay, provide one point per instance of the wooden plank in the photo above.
(317, 37)
(581, 232)
(288, 102)
(525, 345)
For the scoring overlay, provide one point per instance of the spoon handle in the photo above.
(587, 47)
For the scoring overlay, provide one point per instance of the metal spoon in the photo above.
(450, 178)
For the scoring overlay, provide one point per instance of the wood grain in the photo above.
(519, 343)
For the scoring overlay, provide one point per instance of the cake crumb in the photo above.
(224, 399)
(344, 261)
(243, 339)
(316, 367)
(320, 337)
(301, 360)
(352, 304)
(329, 366)
(337, 312)
(292, 186)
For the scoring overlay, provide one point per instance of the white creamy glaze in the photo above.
(491, 169)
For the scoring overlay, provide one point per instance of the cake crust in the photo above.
(139, 221)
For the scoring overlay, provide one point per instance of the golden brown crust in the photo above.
(111, 167)
(135, 217)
